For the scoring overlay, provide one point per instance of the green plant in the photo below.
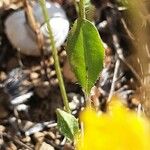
(55, 56)
(85, 52)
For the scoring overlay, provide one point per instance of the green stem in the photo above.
(88, 100)
(76, 7)
(55, 56)
(82, 9)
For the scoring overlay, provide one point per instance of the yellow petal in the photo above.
(118, 129)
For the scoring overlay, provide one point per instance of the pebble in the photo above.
(22, 37)
(2, 76)
(39, 137)
(45, 146)
(34, 75)
(51, 61)
(36, 82)
(12, 146)
(54, 81)
(52, 73)
(51, 135)
(2, 129)
(27, 125)
(57, 142)
(58, 135)
(27, 139)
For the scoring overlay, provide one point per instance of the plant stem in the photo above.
(76, 7)
(55, 56)
(82, 9)
(88, 100)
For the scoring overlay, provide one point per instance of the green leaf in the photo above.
(85, 52)
(67, 124)
(87, 3)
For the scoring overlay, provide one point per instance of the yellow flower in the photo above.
(118, 129)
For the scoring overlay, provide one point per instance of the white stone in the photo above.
(22, 37)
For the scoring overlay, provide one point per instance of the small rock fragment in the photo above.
(34, 75)
(45, 146)
(57, 142)
(2, 129)
(38, 137)
(2, 76)
(27, 139)
(11, 146)
(26, 125)
(51, 135)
